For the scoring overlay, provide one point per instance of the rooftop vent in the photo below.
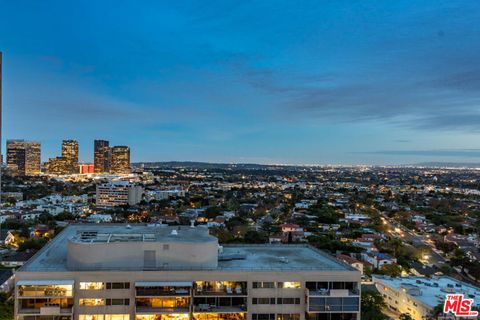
(283, 259)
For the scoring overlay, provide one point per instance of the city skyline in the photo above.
(309, 83)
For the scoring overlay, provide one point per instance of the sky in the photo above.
(293, 82)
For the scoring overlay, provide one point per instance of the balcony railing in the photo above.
(48, 311)
(162, 309)
(150, 292)
(219, 309)
(333, 292)
(222, 292)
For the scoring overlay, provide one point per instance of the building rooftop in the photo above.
(53, 257)
(432, 290)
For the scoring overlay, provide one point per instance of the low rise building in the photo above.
(418, 296)
(118, 193)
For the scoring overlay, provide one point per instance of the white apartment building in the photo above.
(418, 296)
(155, 272)
(118, 193)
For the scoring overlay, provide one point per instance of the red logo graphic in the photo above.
(459, 306)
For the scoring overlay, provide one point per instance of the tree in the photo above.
(212, 212)
(35, 244)
(6, 307)
(392, 270)
(437, 311)
(405, 316)
(372, 305)
(252, 236)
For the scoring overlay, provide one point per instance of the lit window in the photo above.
(289, 285)
(92, 302)
(90, 317)
(45, 290)
(91, 285)
(117, 317)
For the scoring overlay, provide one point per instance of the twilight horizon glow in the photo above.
(312, 82)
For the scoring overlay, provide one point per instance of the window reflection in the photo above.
(220, 316)
(289, 285)
(91, 285)
(45, 291)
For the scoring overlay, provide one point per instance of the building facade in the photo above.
(118, 193)
(86, 168)
(70, 155)
(156, 272)
(23, 157)
(418, 296)
(101, 156)
(67, 163)
(120, 160)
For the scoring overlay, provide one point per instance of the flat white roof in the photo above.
(433, 290)
(263, 257)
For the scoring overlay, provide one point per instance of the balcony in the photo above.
(163, 292)
(333, 304)
(45, 311)
(208, 308)
(161, 310)
(163, 288)
(333, 293)
(220, 288)
(163, 305)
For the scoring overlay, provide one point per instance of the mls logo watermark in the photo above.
(459, 306)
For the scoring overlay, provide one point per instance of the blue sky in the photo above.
(375, 82)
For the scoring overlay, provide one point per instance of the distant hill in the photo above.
(208, 165)
(448, 164)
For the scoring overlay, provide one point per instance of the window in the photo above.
(118, 302)
(288, 300)
(117, 317)
(92, 302)
(334, 304)
(178, 302)
(263, 316)
(212, 316)
(118, 285)
(90, 317)
(91, 285)
(263, 285)
(45, 291)
(288, 316)
(38, 303)
(263, 300)
(289, 285)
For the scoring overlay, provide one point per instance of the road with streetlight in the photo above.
(416, 240)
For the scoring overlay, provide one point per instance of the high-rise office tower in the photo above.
(120, 160)
(70, 155)
(23, 157)
(101, 156)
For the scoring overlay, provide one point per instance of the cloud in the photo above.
(421, 73)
